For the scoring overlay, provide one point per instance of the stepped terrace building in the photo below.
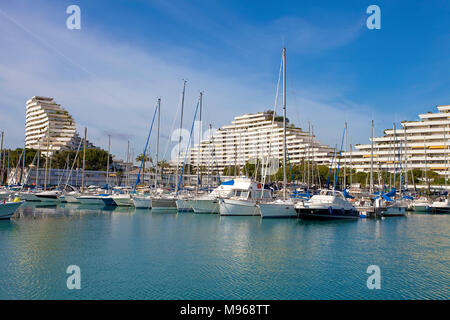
(47, 121)
(422, 144)
(257, 136)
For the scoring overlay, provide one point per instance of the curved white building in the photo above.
(257, 136)
(45, 117)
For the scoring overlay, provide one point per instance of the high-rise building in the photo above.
(422, 144)
(257, 136)
(47, 121)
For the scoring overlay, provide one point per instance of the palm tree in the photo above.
(147, 158)
(163, 164)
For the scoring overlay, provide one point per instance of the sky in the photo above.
(127, 54)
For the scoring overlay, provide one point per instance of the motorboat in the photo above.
(4, 194)
(440, 206)
(210, 203)
(96, 199)
(393, 210)
(7, 209)
(421, 205)
(328, 204)
(244, 202)
(48, 196)
(28, 196)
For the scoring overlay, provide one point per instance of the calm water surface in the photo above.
(136, 254)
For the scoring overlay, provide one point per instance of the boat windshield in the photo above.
(241, 193)
(264, 194)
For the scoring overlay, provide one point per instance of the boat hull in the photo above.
(71, 198)
(7, 210)
(277, 210)
(421, 208)
(106, 201)
(141, 202)
(206, 206)
(125, 201)
(28, 196)
(48, 198)
(327, 214)
(230, 207)
(394, 212)
(159, 204)
(184, 205)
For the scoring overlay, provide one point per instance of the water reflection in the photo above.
(127, 253)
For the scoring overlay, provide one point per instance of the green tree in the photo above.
(147, 158)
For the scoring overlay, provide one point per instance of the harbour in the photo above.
(127, 253)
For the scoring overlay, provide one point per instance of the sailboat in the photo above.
(280, 208)
(185, 200)
(392, 207)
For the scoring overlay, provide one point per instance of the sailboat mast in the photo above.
(345, 156)
(107, 161)
(284, 124)
(2, 159)
(46, 160)
(23, 165)
(371, 162)
(157, 143)
(84, 160)
(127, 164)
(181, 127)
(445, 157)
(199, 142)
(37, 167)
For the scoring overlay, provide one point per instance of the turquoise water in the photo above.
(136, 254)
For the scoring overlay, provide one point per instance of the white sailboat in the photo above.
(280, 208)
(123, 199)
(142, 201)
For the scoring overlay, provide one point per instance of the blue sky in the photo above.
(128, 53)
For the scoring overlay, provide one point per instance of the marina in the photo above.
(127, 253)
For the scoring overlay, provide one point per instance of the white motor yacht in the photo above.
(244, 202)
(442, 206)
(210, 203)
(421, 205)
(48, 196)
(328, 204)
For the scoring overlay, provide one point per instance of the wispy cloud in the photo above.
(111, 87)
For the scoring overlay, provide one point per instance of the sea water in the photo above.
(124, 253)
